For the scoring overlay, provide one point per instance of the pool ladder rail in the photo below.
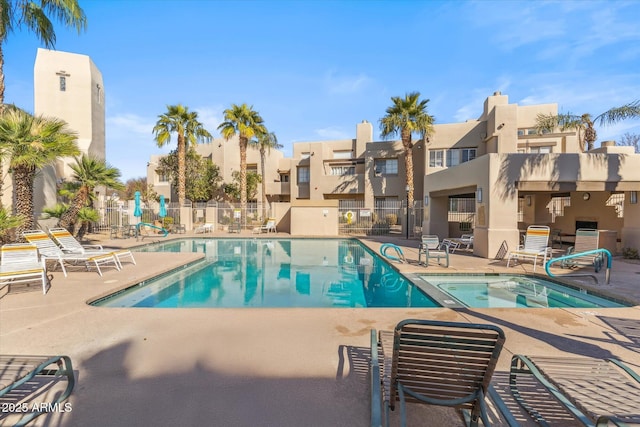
(607, 273)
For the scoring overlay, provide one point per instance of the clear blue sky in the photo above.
(314, 69)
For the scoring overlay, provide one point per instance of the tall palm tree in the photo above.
(178, 119)
(33, 15)
(89, 172)
(584, 125)
(407, 116)
(32, 142)
(247, 123)
(264, 143)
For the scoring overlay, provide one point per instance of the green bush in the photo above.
(392, 219)
(167, 222)
(630, 253)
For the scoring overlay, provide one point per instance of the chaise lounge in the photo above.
(435, 363)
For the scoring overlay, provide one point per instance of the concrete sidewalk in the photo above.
(262, 366)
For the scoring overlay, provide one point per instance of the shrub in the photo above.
(630, 253)
(392, 219)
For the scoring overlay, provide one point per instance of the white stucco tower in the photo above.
(68, 86)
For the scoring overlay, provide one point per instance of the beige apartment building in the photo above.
(510, 175)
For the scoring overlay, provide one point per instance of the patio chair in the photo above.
(68, 243)
(466, 240)
(49, 250)
(536, 244)
(204, 228)
(586, 240)
(593, 390)
(435, 363)
(431, 247)
(36, 374)
(20, 263)
(269, 226)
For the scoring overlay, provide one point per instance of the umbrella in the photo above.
(163, 209)
(137, 212)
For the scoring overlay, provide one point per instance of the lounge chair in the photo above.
(536, 245)
(49, 250)
(270, 226)
(68, 243)
(594, 391)
(17, 370)
(20, 263)
(466, 240)
(435, 363)
(431, 247)
(586, 240)
(204, 228)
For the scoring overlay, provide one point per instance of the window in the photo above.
(63, 84)
(303, 174)
(436, 158)
(461, 155)
(305, 155)
(540, 150)
(342, 154)
(343, 170)
(163, 176)
(284, 177)
(386, 167)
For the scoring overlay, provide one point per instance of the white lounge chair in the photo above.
(204, 228)
(536, 245)
(68, 243)
(269, 226)
(50, 251)
(20, 263)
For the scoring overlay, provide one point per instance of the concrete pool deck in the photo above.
(268, 367)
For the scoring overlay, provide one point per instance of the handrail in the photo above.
(607, 273)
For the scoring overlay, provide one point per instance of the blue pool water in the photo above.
(502, 290)
(274, 273)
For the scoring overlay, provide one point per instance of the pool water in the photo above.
(518, 291)
(274, 273)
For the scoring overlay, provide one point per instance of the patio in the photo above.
(266, 367)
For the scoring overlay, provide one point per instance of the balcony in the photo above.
(278, 188)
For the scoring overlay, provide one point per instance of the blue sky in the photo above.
(314, 69)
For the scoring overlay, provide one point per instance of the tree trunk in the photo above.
(243, 176)
(70, 217)
(2, 106)
(264, 184)
(408, 163)
(182, 179)
(23, 178)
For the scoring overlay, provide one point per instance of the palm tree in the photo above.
(247, 123)
(265, 142)
(406, 116)
(185, 123)
(89, 172)
(33, 15)
(584, 125)
(32, 142)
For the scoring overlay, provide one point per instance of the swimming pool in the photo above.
(273, 273)
(508, 290)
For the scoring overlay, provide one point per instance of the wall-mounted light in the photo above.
(501, 125)
(479, 194)
(633, 198)
(528, 200)
(426, 200)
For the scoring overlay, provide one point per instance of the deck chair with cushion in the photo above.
(593, 391)
(69, 244)
(435, 363)
(431, 247)
(29, 377)
(586, 240)
(50, 251)
(20, 263)
(536, 245)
